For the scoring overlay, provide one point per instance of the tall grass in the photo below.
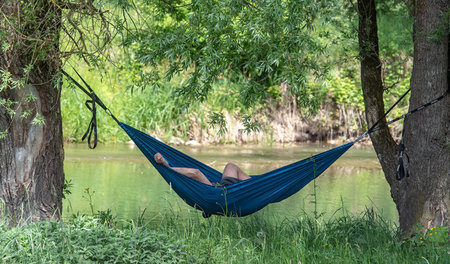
(84, 240)
(188, 238)
(259, 238)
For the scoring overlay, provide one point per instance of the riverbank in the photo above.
(169, 238)
(279, 122)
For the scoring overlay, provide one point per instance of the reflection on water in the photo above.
(125, 182)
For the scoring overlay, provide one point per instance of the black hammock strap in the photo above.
(432, 102)
(92, 106)
(402, 166)
(387, 112)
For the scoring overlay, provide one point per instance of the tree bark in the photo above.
(31, 164)
(427, 137)
(422, 198)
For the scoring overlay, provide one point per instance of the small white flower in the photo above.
(261, 234)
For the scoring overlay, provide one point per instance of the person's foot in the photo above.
(160, 159)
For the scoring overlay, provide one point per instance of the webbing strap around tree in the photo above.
(370, 130)
(432, 102)
(402, 167)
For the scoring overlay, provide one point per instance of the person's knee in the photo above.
(230, 166)
(196, 173)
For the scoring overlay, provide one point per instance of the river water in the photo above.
(121, 179)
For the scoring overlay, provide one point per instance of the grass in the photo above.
(85, 240)
(260, 239)
(188, 238)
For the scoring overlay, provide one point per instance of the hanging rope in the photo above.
(92, 106)
(403, 166)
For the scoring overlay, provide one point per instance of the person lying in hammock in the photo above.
(231, 173)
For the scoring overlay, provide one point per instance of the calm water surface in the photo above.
(121, 179)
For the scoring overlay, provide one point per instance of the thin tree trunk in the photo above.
(372, 86)
(31, 164)
(424, 196)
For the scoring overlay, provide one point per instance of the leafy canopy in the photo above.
(257, 43)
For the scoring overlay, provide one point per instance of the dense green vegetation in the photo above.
(159, 110)
(170, 238)
(184, 95)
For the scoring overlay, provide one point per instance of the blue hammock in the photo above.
(245, 197)
(238, 199)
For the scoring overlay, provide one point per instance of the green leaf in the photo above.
(3, 134)
(38, 120)
(28, 68)
(26, 113)
(218, 119)
(30, 97)
(5, 46)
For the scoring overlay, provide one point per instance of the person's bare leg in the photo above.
(233, 171)
(194, 174)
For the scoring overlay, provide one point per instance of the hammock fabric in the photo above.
(238, 199)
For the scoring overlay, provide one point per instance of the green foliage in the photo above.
(170, 238)
(438, 234)
(5, 46)
(3, 134)
(256, 43)
(88, 195)
(67, 188)
(218, 119)
(366, 238)
(38, 120)
(161, 109)
(234, 55)
(440, 33)
(106, 218)
(250, 124)
(346, 89)
(85, 240)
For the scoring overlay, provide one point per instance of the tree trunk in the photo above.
(31, 164)
(424, 196)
